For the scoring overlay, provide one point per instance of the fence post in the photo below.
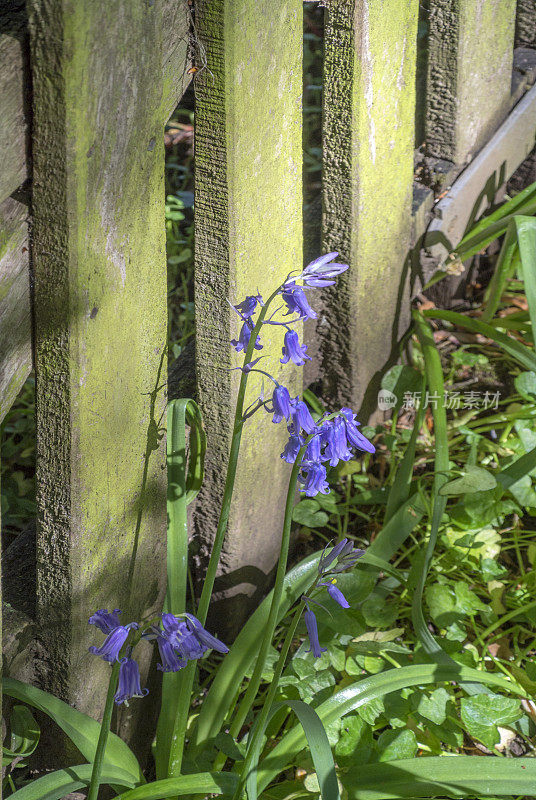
(526, 23)
(100, 326)
(368, 140)
(248, 237)
(468, 94)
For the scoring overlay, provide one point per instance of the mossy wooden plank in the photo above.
(13, 97)
(248, 237)
(175, 53)
(368, 135)
(15, 318)
(525, 23)
(100, 327)
(469, 74)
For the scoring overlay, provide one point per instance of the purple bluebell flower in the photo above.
(320, 272)
(337, 445)
(171, 661)
(297, 302)
(181, 638)
(355, 438)
(113, 643)
(247, 307)
(335, 552)
(301, 417)
(336, 594)
(312, 631)
(105, 620)
(281, 403)
(129, 682)
(243, 338)
(313, 477)
(293, 351)
(313, 453)
(203, 636)
(348, 558)
(292, 448)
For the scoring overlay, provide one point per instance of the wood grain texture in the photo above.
(248, 237)
(100, 320)
(469, 74)
(15, 319)
(14, 98)
(526, 23)
(369, 106)
(175, 53)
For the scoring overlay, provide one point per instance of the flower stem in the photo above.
(255, 682)
(187, 676)
(260, 723)
(103, 735)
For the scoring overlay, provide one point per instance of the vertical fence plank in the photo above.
(100, 314)
(526, 23)
(369, 106)
(469, 74)
(248, 236)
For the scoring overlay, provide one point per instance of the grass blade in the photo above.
(62, 782)
(503, 271)
(526, 239)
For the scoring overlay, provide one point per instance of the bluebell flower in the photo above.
(247, 307)
(348, 558)
(321, 273)
(292, 448)
(281, 403)
(105, 620)
(326, 560)
(113, 643)
(313, 453)
(181, 638)
(129, 682)
(337, 445)
(313, 478)
(171, 661)
(312, 631)
(243, 338)
(301, 417)
(293, 351)
(203, 636)
(355, 438)
(297, 302)
(336, 594)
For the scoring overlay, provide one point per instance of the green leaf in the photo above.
(399, 380)
(525, 384)
(378, 613)
(200, 783)
(434, 706)
(467, 602)
(355, 743)
(25, 732)
(441, 603)
(473, 479)
(442, 776)
(308, 512)
(481, 714)
(58, 784)
(360, 695)
(396, 744)
(82, 730)
(526, 239)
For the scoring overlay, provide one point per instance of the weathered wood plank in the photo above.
(175, 51)
(469, 74)
(369, 106)
(15, 319)
(13, 98)
(248, 236)
(526, 23)
(100, 326)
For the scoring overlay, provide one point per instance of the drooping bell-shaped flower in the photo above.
(321, 272)
(111, 647)
(281, 403)
(337, 445)
(292, 448)
(312, 632)
(171, 661)
(293, 350)
(313, 454)
(129, 682)
(336, 594)
(247, 307)
(243, 338)
(313, 478)
(297, 302)
(301, 418)
(355, 438)
(203, 636)
(105, 620)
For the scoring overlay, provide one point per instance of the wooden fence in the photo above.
(85, 91)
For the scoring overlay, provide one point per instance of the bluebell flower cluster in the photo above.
(342, 556)
(333, 436)
(179, 640)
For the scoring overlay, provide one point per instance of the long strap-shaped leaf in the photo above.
(185, 477)
(450, 776)
(62, 782)
(236, 663)
(363, 692)
(82, 730)
(502, 272)
(205, 783)
(526, 240)
(518, 351)
(318, 742)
